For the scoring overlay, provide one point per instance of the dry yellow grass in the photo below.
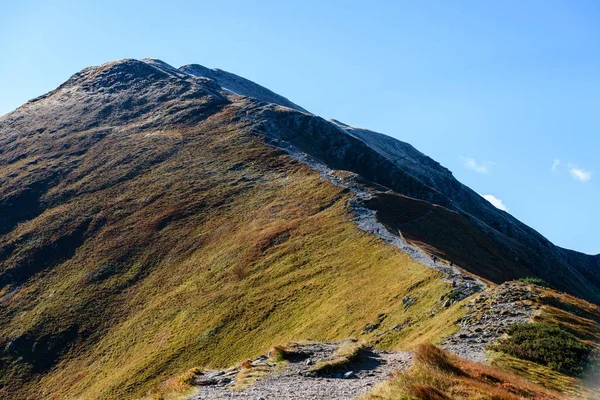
(438, 375)
(206, 259)
(346, 353)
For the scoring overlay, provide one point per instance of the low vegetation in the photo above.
(535, 281)
(175, 388)
(438, 375)
(548, 345)
(283, 353)
(347, 352)
(579, 323)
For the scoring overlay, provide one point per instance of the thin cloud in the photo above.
(555, 164)
(496, 202)
(474, 165)
(579, 174)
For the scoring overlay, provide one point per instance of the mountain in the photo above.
(238, 85)
(153, 219)
(519, 250)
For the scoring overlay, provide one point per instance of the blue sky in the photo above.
(495, 91)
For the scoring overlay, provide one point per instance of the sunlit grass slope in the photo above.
(575, 316)
(439, 375)
(205, 248)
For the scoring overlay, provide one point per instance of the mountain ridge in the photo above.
(435, 179)
(149, 219)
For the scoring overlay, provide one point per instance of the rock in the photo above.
(349, 374)
(225, 381)
(309, 361)
(205, 381)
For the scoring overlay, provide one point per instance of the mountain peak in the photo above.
(237, 85)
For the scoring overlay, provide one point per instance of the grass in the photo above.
(347, 352)
(535, 281)
(175, 388)
(577, 317)
(189, 260)
(541, 375)
(547, 345)
(284, 353)
(248, 374)
(438, 375)
(448, 235)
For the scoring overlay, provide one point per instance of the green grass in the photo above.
(535, 281)
(541, 375)
(549, 346)
(578, 323)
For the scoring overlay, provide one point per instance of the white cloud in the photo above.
(579, 174)
(496, 202)
(555, 164)
(472, 164)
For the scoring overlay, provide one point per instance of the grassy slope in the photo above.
(438, 375)
(212, 254)
(574, 315)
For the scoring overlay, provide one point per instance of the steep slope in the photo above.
(525, 250)
(529, 252)
(147, 229)
(238, 85)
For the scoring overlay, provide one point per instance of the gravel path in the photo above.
(293, 382)
(491, 314)
(366, 220)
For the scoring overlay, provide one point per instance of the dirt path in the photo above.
(366, 220)
(293, 382)
(490, 315)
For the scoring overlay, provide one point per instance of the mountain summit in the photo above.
(154, 218)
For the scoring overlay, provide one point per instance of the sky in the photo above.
(504, 94)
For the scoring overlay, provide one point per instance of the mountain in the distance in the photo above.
(155, 218)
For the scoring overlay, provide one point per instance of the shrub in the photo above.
(535, 281)
(548, 345)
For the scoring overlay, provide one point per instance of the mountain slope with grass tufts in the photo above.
(152, 221)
